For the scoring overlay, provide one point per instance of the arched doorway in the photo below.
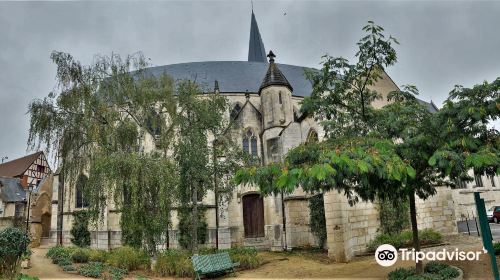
(46, 224)
(253, 215)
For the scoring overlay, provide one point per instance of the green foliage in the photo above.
(246, 256)
(13, 245)
(129, 258)
(117, 273)
(174, 263)
(405, 239)
(186, 225)
(81, 256)
(27, 277)
(496, 247)
(63, 261)
(79, 231)
(317, 221)
(96, 255)
(97, 121)
(394, 216)
(433, 271)
(68, 268)
(92, 269)
(401, 273)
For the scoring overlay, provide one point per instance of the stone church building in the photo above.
(265, 97)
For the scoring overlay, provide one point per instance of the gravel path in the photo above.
(44, 269)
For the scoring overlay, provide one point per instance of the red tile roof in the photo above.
(18, 166)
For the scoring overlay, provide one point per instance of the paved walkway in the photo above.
(44, 269)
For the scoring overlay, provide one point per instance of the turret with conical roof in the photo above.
(276, 96)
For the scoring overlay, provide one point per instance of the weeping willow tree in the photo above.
(143, 142)
(206, 156)
(112, 121)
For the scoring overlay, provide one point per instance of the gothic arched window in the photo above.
(312, 137)
(80, 187)
(234, 112)
(250, 143)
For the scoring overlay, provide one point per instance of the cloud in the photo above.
(442, 43)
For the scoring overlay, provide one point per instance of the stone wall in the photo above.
(349, 228)
(437, 212)
(297, 216)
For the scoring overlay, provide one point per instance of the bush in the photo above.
(401, 274)
(496, 247)
(246, 256)
(68, 268)
(129, 258)
(405, 239)
(96, 255)
(429, 236)
(27, 277)
(65, 261)
(174, 263)
(432, 271)
(117, 273)
(13, 245)
(79, 231)
(80, 256)
(59, 252)
(92, 269)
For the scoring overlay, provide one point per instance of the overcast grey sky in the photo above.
(442, 43)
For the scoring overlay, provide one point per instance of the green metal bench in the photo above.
(212, 264)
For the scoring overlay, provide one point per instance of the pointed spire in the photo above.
(256, 50)
(274, 76)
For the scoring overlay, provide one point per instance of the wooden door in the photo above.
(253, 215)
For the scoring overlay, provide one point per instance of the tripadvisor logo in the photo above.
(387, 255)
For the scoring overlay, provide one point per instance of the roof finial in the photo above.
(251, 1)
(271, 56)
(216, 86)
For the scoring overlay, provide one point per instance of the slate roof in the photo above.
(11, 190)
(256, 50)
(240, 76)
(274, 75)
(18, 166)
(234, 76)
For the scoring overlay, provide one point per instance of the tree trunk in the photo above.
(414, 228)
(194, 240)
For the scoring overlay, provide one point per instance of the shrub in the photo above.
(117, 273)
(79, 231)
(246, 256)
(394, 240)
(129, 258)
(446, 271)
(429, 236)
(59, 252)
(92, 269)
(405, 239)
(27, 277)
(432, 271)
(96, 255)
(401, 274)
(64, 261)
(496, 247)
(80, 256)
(68, 268)
(13, 245)
(174, 263)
